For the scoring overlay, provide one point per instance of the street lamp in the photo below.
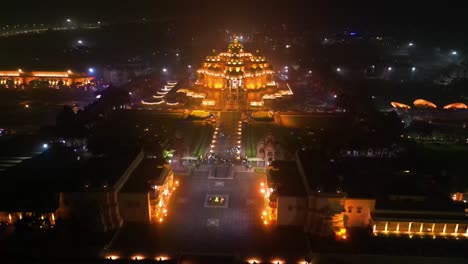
(80, 41)
(68, 20)
(164, 70)
(411, 44)
(91, 70)
(413, 69)
(389, 68)
(338, 69)
(454, 52)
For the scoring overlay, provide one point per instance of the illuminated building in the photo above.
(145, 196)
(65, 78)
(269, 149)
(337, 201)
(234, 69)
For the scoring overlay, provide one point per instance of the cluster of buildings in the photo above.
(98, 193)
(333, 197)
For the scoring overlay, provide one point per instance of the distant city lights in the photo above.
(413, 69)
(91, 70)
(45, 145)
(411, 44)
(164, 70)
(389, 69)
(68, 20)
(338, 69)
(80, 41)
(454, 52)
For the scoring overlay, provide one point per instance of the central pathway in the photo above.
(196, 226)
(227, 135)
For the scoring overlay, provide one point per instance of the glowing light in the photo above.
(164, 70)
(138, 257)
(252, 261)
(389, 68)
(411, 44)
(400, 105)
(112, 257)
(277, 261)
(27, 106)
(424, 103)
(152, 103)
(262, 190)
(454, 52)
(338, 69)
(456, 106)
(45, 145)
(413, 69)
(98, 96)
(91, 70)
(162, 258)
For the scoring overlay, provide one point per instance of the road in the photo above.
(195, 227)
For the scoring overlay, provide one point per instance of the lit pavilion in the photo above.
(236, 69)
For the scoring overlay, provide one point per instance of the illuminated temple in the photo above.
(235, 69)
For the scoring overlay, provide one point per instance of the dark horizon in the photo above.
(397, 14)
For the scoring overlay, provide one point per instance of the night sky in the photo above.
(445, 17)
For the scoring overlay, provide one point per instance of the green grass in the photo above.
(200, 138)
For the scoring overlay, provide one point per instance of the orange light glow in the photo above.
(262, 190)
(424, 103)
(278, 261)
(251, 261)
(400, 105)
(456, 106)
(138, 257)
(162, 258)
(112, 257)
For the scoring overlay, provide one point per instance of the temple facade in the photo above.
(235, 69)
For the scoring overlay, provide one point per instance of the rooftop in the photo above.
(42, 178)
(285, 178)
(364, 177)
(148, 173)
